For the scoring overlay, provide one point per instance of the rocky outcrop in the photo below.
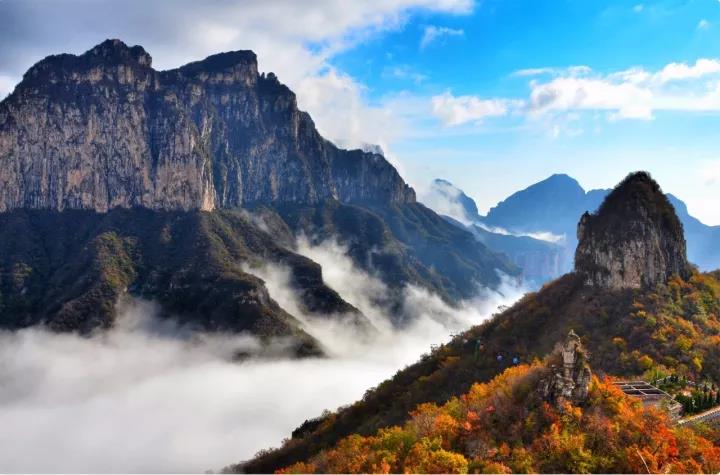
(569, 381)
(634, 240)
(105, 130)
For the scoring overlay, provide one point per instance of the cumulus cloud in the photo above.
(456, 110)
(433, 33)
(150, 396)
(682, 71)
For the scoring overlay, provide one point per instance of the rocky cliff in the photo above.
(104, 130)
(634, 240)
(119, 179)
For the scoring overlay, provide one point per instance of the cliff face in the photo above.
(634, 240)
(104, 130)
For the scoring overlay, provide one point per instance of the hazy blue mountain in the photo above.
(551, 209)
(540, 260)
(703, 241)
(553, 205)
(556, 204)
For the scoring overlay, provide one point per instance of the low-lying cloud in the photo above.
(151, 396)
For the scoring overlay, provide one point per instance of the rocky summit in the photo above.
(634, 240)
(104, 130)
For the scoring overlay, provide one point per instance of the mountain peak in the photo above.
(116, 51)
(560, 178)
(634, 240)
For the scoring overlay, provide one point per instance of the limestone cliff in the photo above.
(104, 130)
(634, 240)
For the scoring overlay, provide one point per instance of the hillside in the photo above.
(673, 325)
(505, 426)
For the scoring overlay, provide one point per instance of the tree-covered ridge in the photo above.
(672, 328)
(505, 426)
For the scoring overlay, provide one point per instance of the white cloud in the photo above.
(579, 70)
(433, 33)
(147, 397)
(404, 72)
(703, 24)
(625, 99)
(456, 110)
(710, 173)
(683, 71)
(634, 93)
(639, 8)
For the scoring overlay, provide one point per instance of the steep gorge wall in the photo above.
(104, 130)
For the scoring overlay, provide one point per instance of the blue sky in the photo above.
(492, 95)
(480, 57)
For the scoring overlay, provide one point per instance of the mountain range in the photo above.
(536, 227)
(633, 302)
(117, 179)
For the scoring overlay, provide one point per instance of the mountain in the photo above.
(634, 240)
(540, 260)
(702, 240)
(450, 200)
(553, 207)
(116, 179)
(104, 130)
(670, 325)
(539, 209)
(546, 417)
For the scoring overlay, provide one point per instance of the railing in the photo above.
(706, 416)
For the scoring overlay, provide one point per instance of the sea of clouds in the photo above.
(152, 396)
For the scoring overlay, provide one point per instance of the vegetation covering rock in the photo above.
(504, 426)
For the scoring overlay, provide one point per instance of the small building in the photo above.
(651, 396)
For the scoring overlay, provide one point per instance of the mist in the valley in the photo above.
(151, 396)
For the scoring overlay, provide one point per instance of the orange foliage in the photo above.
(522, 433)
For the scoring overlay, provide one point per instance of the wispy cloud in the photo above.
(549, 71)
(633, 93)
(434, 33)
(404, 72)
(703, 24)
(456, 110)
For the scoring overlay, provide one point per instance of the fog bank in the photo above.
(150, 396)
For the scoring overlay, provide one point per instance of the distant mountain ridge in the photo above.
(554, 206)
